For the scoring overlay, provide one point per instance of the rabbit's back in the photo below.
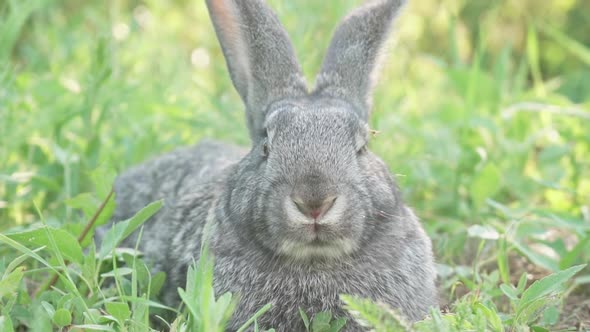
(173, 177)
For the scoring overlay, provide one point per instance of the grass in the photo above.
(483, 113)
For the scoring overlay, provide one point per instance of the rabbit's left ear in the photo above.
(259, 56)
(351, 63)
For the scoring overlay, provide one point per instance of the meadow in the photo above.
(483, 114)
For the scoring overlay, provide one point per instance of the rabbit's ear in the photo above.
(351, 63)
(259, 56)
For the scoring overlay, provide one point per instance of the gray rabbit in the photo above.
(307, 213)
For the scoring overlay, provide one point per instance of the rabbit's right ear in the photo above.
(259, 56)
(352, 61)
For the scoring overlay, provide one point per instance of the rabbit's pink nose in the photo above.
(314, 208)
(315, 213)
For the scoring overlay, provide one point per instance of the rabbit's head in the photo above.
(309, 188)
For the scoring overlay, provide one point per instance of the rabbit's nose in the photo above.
(314, 208)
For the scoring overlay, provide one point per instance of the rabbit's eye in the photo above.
(265, 148)
(362, 150)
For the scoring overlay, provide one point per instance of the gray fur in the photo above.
(369, 243)
(350, 67)
(259, 55)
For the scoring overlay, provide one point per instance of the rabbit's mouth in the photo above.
(317, 242)
(318, 248)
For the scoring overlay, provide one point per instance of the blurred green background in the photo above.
(482, 108)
